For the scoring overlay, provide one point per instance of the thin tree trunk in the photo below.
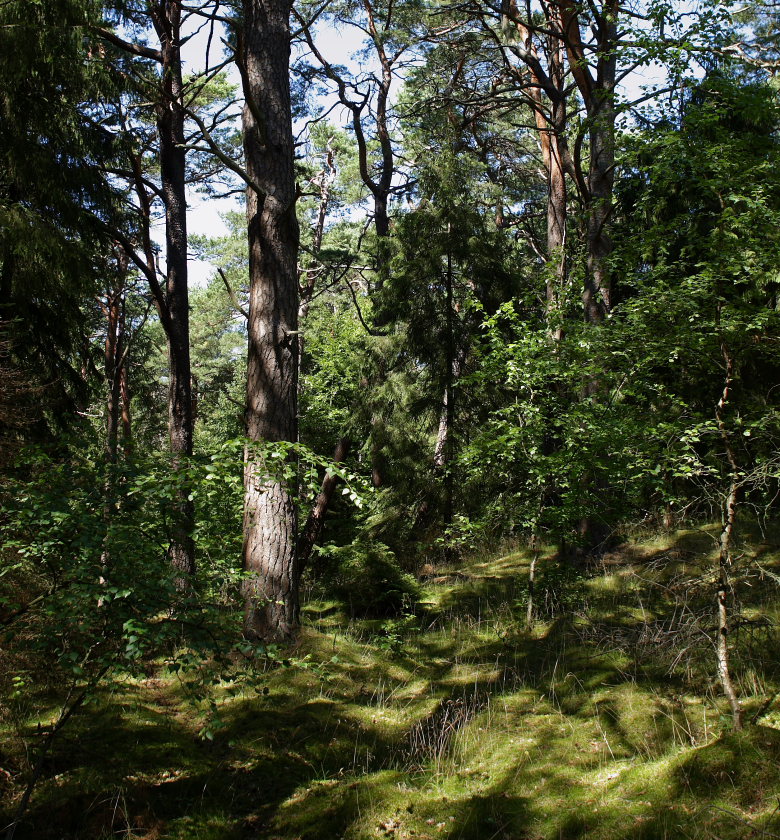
(172, 302)
(111, 358)
(65, 715)
(597, 293)
(307, 285)
(598, 93)
(724, 671)
(312, 530)
(726, 536)
(378, 464)
(551, 133)
(529, 613)
(170, 124)
(442, 435)
(124, 391)
(381, 187)
(270, 515)
(114, 361)
(442, 452)
(449, 396)
(557, 271)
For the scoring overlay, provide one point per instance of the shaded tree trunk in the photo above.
(171, 299)
(111, 358)
(530, 607)
(170, 123)
(726, 536)
(127, 426)
(270, 515)
(454, 362)
(598, 93)
(312, 530)
(114, 358)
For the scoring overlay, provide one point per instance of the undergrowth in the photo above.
(453, 720)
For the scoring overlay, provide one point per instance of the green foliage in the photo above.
(55, 196)
(613, 421)
(366, 575)
(334, 372)
(94, 540)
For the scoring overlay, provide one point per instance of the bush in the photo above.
(366, 575)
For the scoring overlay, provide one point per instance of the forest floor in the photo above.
(457, 722)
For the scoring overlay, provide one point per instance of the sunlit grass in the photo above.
(457, 722)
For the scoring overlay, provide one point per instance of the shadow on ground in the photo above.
(592, 724)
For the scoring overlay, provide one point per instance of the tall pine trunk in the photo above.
(170, 125)
(270, 515)
(598, 93)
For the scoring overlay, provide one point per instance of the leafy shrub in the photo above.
(366, 575)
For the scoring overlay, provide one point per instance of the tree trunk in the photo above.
(449, 407)
(529, 613)
(112, 354)
(551, 131)
(598, 93)
(170, 124)
(597, 293)
(724, 671)
(270, 516)
(557, 268)
(312, 530)
(172, 302)
(124, 394)
(442, 452)
(114, 363)
(726, 535)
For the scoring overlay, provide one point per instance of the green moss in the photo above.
(471, 727)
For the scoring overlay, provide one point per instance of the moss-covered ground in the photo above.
(601, 720)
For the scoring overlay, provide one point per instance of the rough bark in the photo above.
(598, 93)
(170, 123)
(551, 127)
(270, 516)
